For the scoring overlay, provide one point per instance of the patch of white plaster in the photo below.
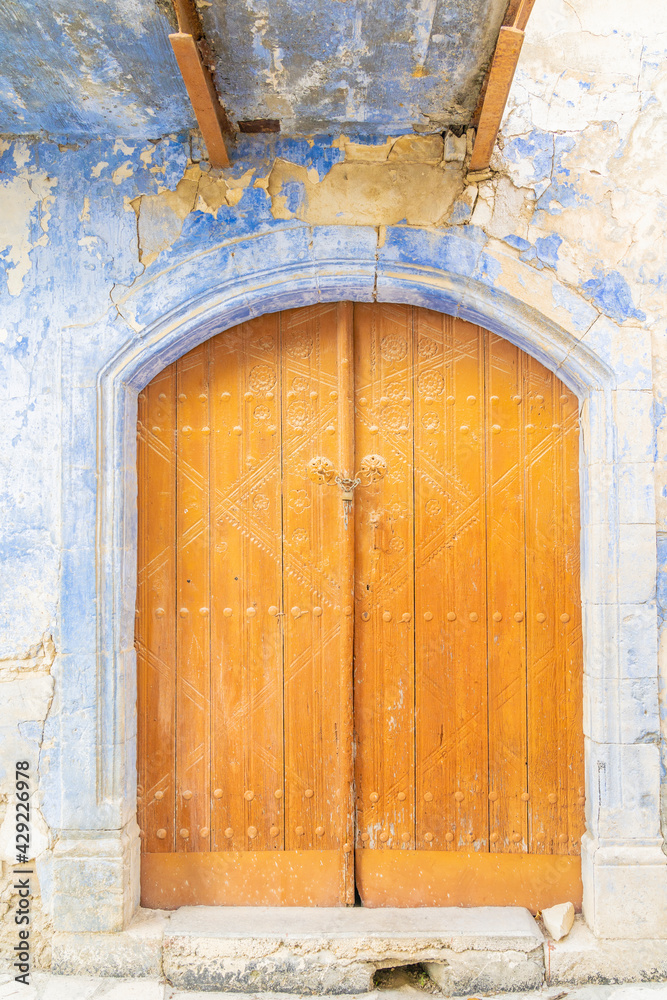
(123, 172)
(120, 146)
(24, 203)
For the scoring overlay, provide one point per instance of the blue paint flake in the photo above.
(547, 249)
(611, 294)
(517, 242)
(294, 193)
(536, 149)
(460, 214)
(530, 257)
(581, 312)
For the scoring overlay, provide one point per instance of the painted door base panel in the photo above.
(475, 878)
(240, 878)
(384, 879)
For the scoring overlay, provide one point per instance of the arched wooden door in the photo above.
(358, 621)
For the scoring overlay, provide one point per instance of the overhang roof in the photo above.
(105, 67)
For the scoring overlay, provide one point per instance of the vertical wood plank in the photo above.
(312, 598)
(193, 611)
(384, 570)
(156, 627)
(573, 654)
(555, 751)
(346, 437)
(246, 589)
(450, 585)
(546, 694)
(506, 598)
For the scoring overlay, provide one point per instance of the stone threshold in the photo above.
(325, 951)
(338, 950)
(45, 986)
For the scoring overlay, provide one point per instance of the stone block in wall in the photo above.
(598, 499)
(596, 417)
(636, 427)
(625, 892)
(582, 958)
(638, 640)
(636, 493)
(637, 560)
(597, 583)
(96, 881)
(455, 148)
(623, 791)
(418, 148)
(136, 951)
(626, 349)
(620, 641)
(622, 710)
(488, 971)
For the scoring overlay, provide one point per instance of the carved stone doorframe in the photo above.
(89, 790)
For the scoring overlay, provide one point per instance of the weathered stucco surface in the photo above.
(378, 68)
(26, 693)
(571, 224)
(94, 69)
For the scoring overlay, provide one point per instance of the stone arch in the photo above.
(174, 309)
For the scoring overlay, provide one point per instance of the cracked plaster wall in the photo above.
(26, 696)
(577, 194)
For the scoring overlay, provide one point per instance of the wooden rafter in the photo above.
(495, 90)
(188, 45)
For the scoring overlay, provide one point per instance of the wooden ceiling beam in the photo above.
(189, 21)
(523, 13)
(517, 13)
(495, 90)
(188, 44)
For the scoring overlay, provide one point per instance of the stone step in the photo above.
(330, 950)
(45, 986)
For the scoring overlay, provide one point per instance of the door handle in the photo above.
(322, 471)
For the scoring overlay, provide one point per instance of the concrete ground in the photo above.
(47, 987)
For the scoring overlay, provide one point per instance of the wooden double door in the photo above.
(358, 617)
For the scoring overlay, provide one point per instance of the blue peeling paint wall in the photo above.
(86, 69)
(107, 69)
(112, 224)
(82, 217)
